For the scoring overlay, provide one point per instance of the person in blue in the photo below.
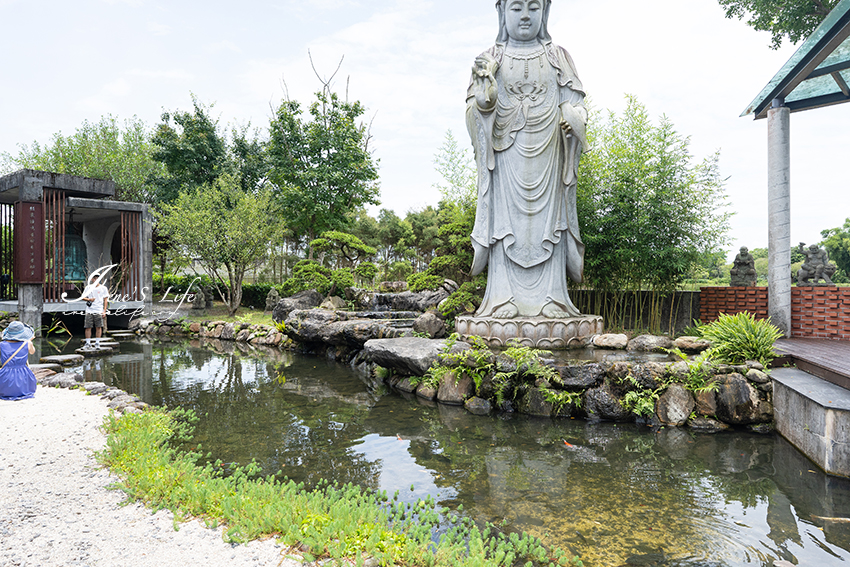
(17, 382)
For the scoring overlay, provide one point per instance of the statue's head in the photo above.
(523, 19)
(813, 247)
(744, 250)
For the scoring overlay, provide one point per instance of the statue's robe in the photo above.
(526, 227)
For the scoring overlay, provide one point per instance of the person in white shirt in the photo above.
(97, 301)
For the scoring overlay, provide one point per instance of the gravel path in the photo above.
(56, 509)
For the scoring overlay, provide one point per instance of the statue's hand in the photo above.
(484, 81)
(565, 126)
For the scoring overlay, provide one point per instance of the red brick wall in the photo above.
(816, 312)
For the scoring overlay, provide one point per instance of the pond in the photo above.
(614, 494)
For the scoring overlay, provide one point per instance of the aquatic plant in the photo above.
(331, 521)
(738, 338)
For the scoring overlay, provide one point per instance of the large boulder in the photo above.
(738, 401)
(533, 402)
(581, 375)
(431, 325)
(602, 403)
(410, 356)
(691, 345)
(338, 328)
(650, 343)
(675, 405)
(302, 300)
(333, 303)
(611, 341)
(454, 390)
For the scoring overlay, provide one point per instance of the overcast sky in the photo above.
(408, 62)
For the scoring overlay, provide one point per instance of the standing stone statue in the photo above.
(526, 116)
(743, 270)
(816, 266)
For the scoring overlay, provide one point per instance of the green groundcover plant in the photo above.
(738, 338)
(340, 522)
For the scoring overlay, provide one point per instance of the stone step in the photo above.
(814, 415)
(49, 366)
(62, 359)
(92, 352)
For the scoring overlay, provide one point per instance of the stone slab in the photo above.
(535, 332)
(814, 415)
(91, 352)
(49, 366)
(63, 359)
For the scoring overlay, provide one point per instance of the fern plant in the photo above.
(738, 338)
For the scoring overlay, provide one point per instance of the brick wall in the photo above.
(816, 312)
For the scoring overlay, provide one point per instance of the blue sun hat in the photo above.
(17, 331)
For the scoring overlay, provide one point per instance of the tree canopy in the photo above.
(103, 150)
(837, 244)
(321, 166)
(791, 19)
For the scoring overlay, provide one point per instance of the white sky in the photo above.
(408, 62)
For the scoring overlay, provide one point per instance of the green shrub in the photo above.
(738, 338)
(366, 271)
(307, 274)
(398, 271)
(423, 281)
(254, 295)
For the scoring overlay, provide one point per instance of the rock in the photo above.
(63, 359)
(195, 328)
(761, 428)
(410, 356)
(420, 301)
(302, 300)
(333, 303)
(337, 328)
(392, 287)
(478, 406)
(505, 363)
(404, 385)
(691, 345)
(755, 365)
(679, 369)
(601, 403)
(581, 375)
(431, 325)
(648, 374)
(675, 405)
(49, 366)
(706, 425)
(650, 343)
(455, 390)
(737, 401)
(611, 341)
(706, 402)
(426, 392)
(227, 332)
(533, 402)
(219, 329)
(451, 358)
(757, 376)
(618, 371)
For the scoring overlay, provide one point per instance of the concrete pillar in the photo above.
(31, 296)
(779, 216)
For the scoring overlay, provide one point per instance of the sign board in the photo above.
(29, 243)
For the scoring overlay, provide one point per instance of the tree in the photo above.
(837, 244)
(222, 227)
(322, 167)
(192, 150)
(796, 19)
(102, 150)
(647, 212)
(395, 235)
(457, 169)
(343, 246)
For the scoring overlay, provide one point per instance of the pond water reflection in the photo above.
(614, 494)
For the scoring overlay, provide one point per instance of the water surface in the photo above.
(614, 494)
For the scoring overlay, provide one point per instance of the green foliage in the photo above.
(647, 212)
(307, 274)
(738, 338)
(342, 279)
(254, 294)
(366, 271)
(641, 402)
(180, 283)
(457, 169)
(192, 150)
(322, 167)
(224, 228)
(529, 368)
(562, 398)
(466, 299)
(103, 150)
(331, 521)
(796, 19)
(398, 271)
(423, 281)
(344, 245)
(837, 244)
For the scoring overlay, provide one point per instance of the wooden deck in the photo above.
(829, 360)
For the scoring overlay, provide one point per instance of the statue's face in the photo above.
(744, 250)
(813, 247)
(523, 18)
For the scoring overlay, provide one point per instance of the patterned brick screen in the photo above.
(816, 312)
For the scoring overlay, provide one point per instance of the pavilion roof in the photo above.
(817, 74)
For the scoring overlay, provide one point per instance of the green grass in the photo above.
(329, 521)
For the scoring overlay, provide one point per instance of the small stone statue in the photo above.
(744, 269)
(272, 299)
(199, 301)
(816, 266)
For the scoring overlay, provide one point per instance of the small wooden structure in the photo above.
(55, 230)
